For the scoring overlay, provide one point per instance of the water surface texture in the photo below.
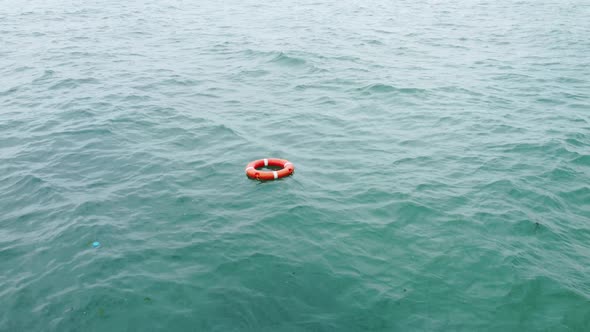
(442, 153)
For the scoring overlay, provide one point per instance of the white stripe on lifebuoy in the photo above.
(247, 168)
(275, 174)
(287, 164)
(265, 162)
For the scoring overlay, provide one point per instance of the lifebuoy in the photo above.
(253, 173)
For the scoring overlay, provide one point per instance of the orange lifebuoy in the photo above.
(253, 173)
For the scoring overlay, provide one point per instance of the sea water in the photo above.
(442, 155)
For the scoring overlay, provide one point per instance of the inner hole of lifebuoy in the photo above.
(269, 168)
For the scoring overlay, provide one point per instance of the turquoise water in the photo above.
(442, 154)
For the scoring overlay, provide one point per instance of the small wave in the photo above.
(570, 80)
(373, 42)
(411, 160)
(176, 81)
(384, 31)
(380, 88)
(207, 95)
(505, 129)
(579, 196)
(9, 91)
(499, 185)
(550, 101)
(346, 58)
(458, 90)
(28, 183)
(559, 174)
(579, 106)
(575, 142)
(324, 101)
(254, 73)
(523, 147)
(47, 74)
(582, 160)
(303, 87)
(256, 53)
(70, 83)
(23, 68)
(286, 60)
(136, 98)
